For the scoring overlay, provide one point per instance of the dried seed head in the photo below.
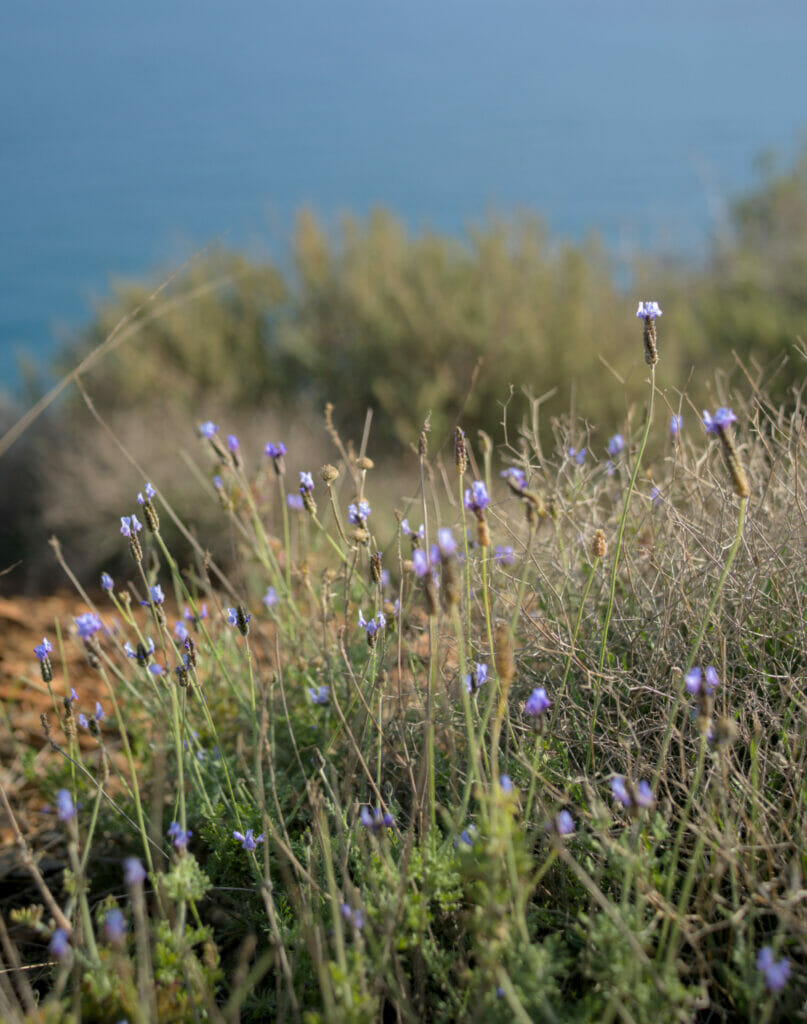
(738, 475)
(364, 463)
(599, 545)
(328, 473)
(451, 594)
(649, 338)
(43, 718)
(460, 450)
(375, 567)
(190, 647)
(242, 618)
(432, 605)
(482, 530)
(503, 654)
(726, 732)
(91, 650)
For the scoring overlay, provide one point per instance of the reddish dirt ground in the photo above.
(24, 621)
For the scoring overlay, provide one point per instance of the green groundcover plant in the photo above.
(531, 748)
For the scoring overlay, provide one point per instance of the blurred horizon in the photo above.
(135, 136)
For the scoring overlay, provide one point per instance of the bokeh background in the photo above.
(404, 208)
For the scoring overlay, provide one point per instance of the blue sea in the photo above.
(134, 133)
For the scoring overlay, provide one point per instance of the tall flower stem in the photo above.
(617, 552)
(693, 651)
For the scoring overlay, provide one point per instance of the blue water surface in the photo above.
(134, 133)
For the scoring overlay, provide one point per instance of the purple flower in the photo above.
(675, 424)
(141, 653)
(319, 695)
(578, 456)
(648, 310)
(270, 598)
(475, 679)
(181, 631)
(156, 670)
(114, 926)
(357, 514)
(82, 721)
(233, 443)
(59, 944)
(446, 545)
(240, 618)
(354, 917)
(517, 478)
(476, 497)
(616, 444)
(722, 418)
(372, 625)
(420, 562)
(73, 694)
(64, 805)
(375, 819)
(506, 784)
(504, 555)
(43, 650)
(295, 502)
(563, 824)
(133, 871)
(107, 583)
(208, 429)
(100, 714)
(467, 837)
(694, 683)
(156, 594)
(537, 702)
(178, 836)
(776, 974)
(249, 840)
(306, 483)
(88, 624)
(628, 796)
(407, 530)
(130, 525)
(217, 482)
(655, 495)
(150, 492)
(275, 451)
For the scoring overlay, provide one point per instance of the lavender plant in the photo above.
(379, 773)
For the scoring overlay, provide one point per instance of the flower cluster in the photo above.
(476, 678)
(372, 626)
(775, 972)
(248, 839)
(698, 682)
(178, 835)
(477, 500)
(537, 702)
(319, 694)
(357, 513)
(632, 796)
(354, 917)
(375, 820)
(239, 617)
